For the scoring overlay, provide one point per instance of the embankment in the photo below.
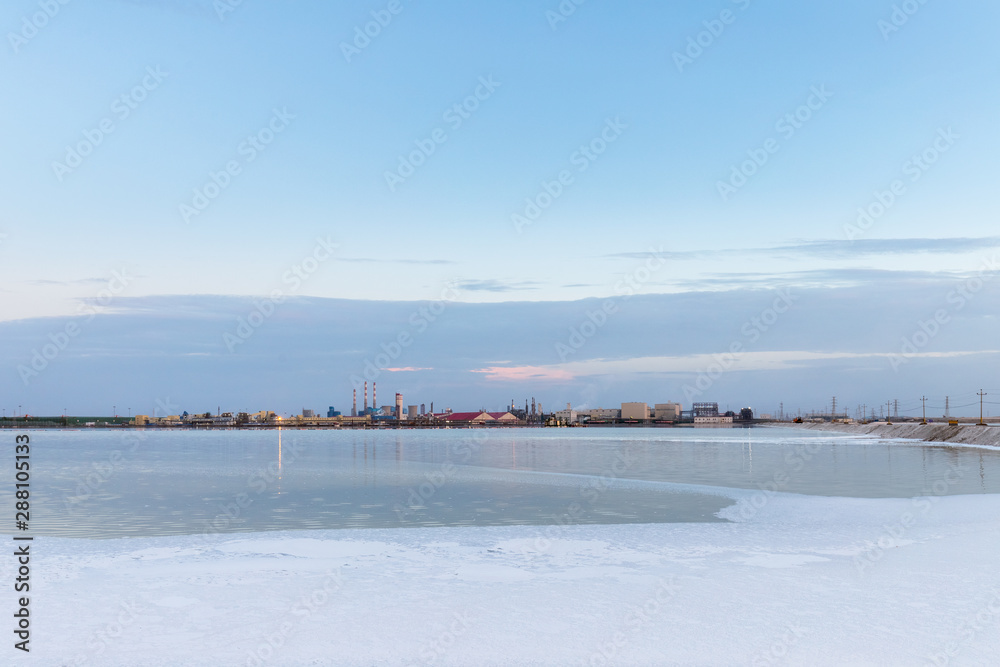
(966, 434)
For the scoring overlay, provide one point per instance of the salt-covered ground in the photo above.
(797, 580)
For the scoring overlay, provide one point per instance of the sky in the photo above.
(811, 183)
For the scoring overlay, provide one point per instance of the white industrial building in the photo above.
(568, 416)
(718, 419)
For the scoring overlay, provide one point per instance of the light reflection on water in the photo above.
(169, 482)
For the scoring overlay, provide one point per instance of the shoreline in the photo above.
(963, 434)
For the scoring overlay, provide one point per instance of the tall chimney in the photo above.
(354, 405)
(374, 400)
(366, 396)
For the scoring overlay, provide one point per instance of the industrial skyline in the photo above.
(422, 204)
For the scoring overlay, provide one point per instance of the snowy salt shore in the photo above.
(795, 580)
(965, 434)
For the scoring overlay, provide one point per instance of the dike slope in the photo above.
(965, 434)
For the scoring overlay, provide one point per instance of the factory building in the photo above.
(716, 419)
(635, 411)
(568, 416)
(705, 409)
(667, 411)
(600, 414)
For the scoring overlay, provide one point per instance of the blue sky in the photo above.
(198, 85)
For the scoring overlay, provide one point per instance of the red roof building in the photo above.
(471, 417)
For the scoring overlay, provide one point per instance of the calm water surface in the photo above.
(113, 484)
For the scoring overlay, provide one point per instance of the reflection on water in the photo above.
(110, 484)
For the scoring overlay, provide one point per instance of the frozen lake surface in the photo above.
(105, 484)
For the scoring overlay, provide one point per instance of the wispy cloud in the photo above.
(65, 283)
(407, 369)
(496, 285)
(774, 360)
(373, 260)
(837, 248)
(523, 373)
(848, 277)
(840, 249)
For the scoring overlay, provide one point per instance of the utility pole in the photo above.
(895, 409)
(947, 411)
(833, 409)
(981, 394)
(923, 404)
(864, 413)
(781, 411)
